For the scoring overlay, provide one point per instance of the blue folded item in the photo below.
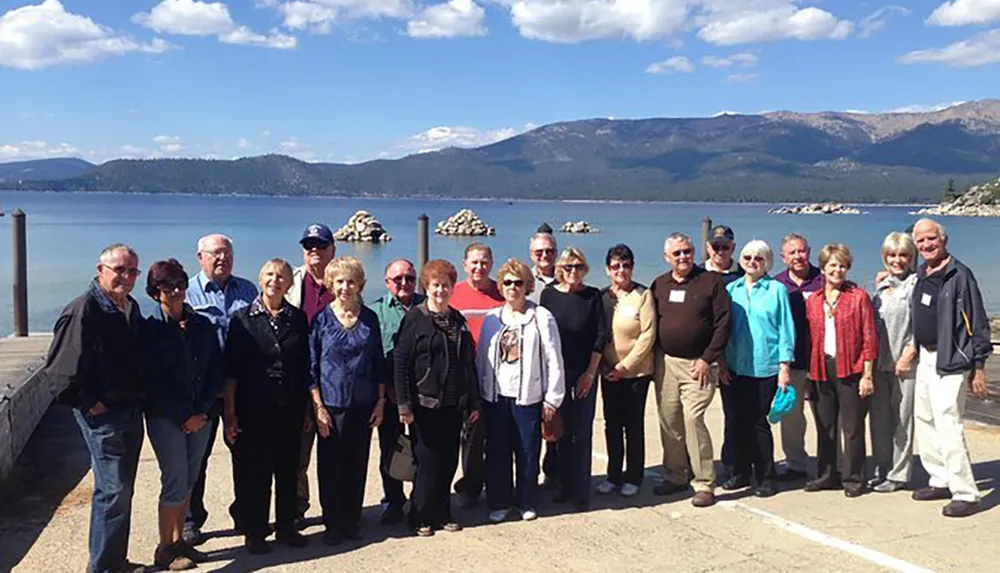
(783, 403)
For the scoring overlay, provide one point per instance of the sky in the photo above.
(355, 80)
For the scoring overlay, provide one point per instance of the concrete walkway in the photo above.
(44, 522)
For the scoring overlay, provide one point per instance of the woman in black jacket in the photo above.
(185, 370)
(436, 388)
(266, 393)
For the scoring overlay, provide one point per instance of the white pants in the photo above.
(938, 408)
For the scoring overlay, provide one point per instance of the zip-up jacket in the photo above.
(963, 335)
(421, 362)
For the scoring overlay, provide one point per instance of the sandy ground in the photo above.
(793, 531)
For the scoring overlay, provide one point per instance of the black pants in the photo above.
(836, 403)
(624, 428)
(388, 432)
(576, 448)
(752, 441)
(729, 437)
(435, 436)
(266, 449)
(343, 467)
(197, 513)
(473, 463)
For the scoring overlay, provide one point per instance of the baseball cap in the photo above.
(317, 231)
(721, 232)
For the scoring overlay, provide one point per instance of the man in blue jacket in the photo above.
(94, 361)
(951, 342)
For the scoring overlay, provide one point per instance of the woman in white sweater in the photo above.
(521, 382)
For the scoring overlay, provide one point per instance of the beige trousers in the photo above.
(793, 426)
(681, 402)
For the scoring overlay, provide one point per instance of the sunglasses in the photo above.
(122, 270)
(574, 267)
(722, 247)
(310, 245)
(680, 252)
(754, 258)
(172, 287)
(540, 252)
(513, 282)
(620, 266)
(403, 279)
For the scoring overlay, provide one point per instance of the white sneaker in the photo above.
(499, 515)
(629, 489)
(528, 515)
(605, 487)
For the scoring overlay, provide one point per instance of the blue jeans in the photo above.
(512, 432)
(114, 439)
(179, 455)
(576, 446)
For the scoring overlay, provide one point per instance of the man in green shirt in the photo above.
(401, 282)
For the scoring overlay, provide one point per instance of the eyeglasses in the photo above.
(513, 282)
(574, 267)
(540, 252)
(314, 244)
(122, 270)
(680, 252)
(403, 279)
(754, 258)
(626, 266)
(722, 247)
(219, 253)
(172, 287)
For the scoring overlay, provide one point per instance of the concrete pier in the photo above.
(24, 398)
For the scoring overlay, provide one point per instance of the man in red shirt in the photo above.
(474, 297)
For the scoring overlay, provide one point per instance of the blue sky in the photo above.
(351, 80)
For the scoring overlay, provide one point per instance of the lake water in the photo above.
(67, 231)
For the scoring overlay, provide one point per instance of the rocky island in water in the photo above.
(979, 201)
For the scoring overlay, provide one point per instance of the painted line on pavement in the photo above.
(871, 555)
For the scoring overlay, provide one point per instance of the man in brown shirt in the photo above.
(692, 313)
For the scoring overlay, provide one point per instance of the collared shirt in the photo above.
(763, 331)
(347, 365)
(390, 312)
(856, 340)
(315, 296)
(218, 304)
(728, 276)
(798, 294)
(541, 281)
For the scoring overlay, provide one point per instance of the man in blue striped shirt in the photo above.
(215, 294)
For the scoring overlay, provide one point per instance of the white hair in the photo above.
(113, 248)
(941, 231)
(760, 248)
(204, 241)
(679, 237)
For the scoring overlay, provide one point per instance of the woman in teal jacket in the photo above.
(759, 354)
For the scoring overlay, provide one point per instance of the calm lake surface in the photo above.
(67, 231)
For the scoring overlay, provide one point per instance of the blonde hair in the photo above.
(761, 248)
(897, 242)
(348, 267)
(836, 251)
(520, 270)
(282, 265)
(566, 256)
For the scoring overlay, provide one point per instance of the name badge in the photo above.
(806, 295)
(677, 296)
(925, 299)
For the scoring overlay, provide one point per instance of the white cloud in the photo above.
(296, 148)
(195, 18)
(741, 78)
(570, 21)
(317, 16)
(979, 50)
(787, 21)
(25, 150)
(924, 108)
(299, 15)
(168, 144)
(38, 36)
(874, 22)
(742, 59)
(245, 144)
(678, 64)
(964, 12)
(441, 137)
(448, 20)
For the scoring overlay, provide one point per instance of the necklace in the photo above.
(831, 304)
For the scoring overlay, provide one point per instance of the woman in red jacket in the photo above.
(844, 348)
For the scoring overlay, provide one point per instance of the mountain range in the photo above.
(776, 156)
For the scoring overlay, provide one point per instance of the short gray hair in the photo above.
(678, 236)
(203, 242)
(114, 247)
(398, 260)
(793, 237)
(547, 236)
(761, 248)
(941, 231)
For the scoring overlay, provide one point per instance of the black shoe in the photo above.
(392, 515)
(854, 489)
(292, 538)
(931, 494)
(960, 509)
(791, 475)
(737, 481)
(257, 546)
(765, 489)
(822, 484)
(669, 488)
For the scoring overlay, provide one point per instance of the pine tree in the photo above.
(950, 194)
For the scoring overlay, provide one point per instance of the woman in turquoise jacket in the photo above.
(759, 354)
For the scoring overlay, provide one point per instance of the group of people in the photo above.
(485, 371)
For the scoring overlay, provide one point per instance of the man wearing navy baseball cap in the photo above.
(310, 294)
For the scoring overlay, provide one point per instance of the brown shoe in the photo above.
(931, 494)
(172, 560)
(960, 508)
(703, 499)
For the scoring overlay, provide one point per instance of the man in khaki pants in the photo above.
(692, 313)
